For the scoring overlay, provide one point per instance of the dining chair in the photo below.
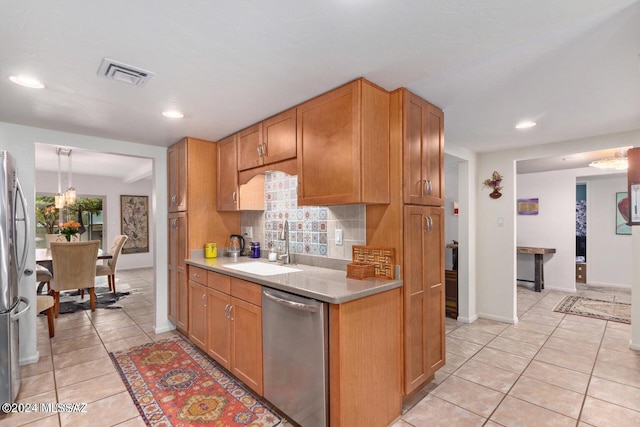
(108, 267)
(57, 238)
(46, 303)
(74, 266)
(43, 275)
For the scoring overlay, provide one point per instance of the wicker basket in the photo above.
(360, 270)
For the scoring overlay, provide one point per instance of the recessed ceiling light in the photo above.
(525, 125)
(27, 82)
(172, 114)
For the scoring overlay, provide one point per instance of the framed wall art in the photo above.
(134, 222)
(528, 206)
(622, 213)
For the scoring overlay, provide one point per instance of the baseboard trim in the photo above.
(30, 360)
(467, 319)
(164, 328)
(634, 346)
(512, 321)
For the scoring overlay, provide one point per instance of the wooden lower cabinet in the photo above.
(198, 314)
(424, 295)
(364, 361)
(219, 332)
(246, 342)
(225, 318)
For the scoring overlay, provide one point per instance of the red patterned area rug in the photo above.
(174, 384)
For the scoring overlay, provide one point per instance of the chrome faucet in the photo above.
(284, 235)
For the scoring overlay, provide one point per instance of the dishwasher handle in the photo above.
(291, 304)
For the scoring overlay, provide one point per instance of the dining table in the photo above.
(43, 258)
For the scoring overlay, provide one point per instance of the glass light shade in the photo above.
(70, 196)
(60, 200)
(617, 163)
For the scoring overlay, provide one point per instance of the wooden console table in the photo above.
(538, 264)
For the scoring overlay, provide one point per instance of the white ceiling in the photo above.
(571, 65)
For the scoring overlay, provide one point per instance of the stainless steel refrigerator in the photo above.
(14, 247)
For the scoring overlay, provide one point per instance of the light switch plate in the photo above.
(339, 236)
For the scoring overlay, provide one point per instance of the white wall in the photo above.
(466, 182)
(450, 220)
(111, 189)
(19, 141)
(495, 246)
(609, 255)
(553, 227)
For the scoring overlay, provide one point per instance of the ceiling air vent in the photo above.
(124, 73)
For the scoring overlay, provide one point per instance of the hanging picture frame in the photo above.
(134, 223)
(528, 206)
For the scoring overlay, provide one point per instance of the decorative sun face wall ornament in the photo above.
(494, 182)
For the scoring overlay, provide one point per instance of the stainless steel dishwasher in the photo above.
(295, 356)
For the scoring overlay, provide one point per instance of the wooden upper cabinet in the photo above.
(343, 146)
(279, 137)
(250, 147)
(177, 176)
(270, 141)
(423, 134)
(227, 199)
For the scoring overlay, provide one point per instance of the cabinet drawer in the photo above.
(219, 282)
(246, 291)
(198, 275)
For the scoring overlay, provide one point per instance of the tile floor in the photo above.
(75, 366)
(549, 369)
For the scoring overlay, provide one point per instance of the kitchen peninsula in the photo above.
(364, 334)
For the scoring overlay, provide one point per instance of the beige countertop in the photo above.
(319, 283)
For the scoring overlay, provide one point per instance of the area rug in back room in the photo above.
(595, 308)
(174, 384)
(71, 302)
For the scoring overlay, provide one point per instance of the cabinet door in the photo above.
(424, 308)
(227, 197)
(423, 151)
(219, 339)
(177, 176)
(328, 148)
(178, 289)
(433, 273)
(246, 343)
(198, 314)
(279, 137)
(250, 149)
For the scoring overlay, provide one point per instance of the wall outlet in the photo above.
(248, 231)
(339, 236)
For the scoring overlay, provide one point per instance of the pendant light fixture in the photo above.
(59, 195)
(70, 195)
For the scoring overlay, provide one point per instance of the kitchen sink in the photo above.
(262, 268)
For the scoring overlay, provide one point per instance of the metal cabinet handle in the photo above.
(174, 198)
(259, 148)
(264, 149)
(226, 311)
(203, 300)
(234, 196)
(428, 224)
(292, 304)
(430, 190)
(424, 186)
(230, 311)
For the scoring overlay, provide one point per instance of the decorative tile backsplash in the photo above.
(311, 228)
